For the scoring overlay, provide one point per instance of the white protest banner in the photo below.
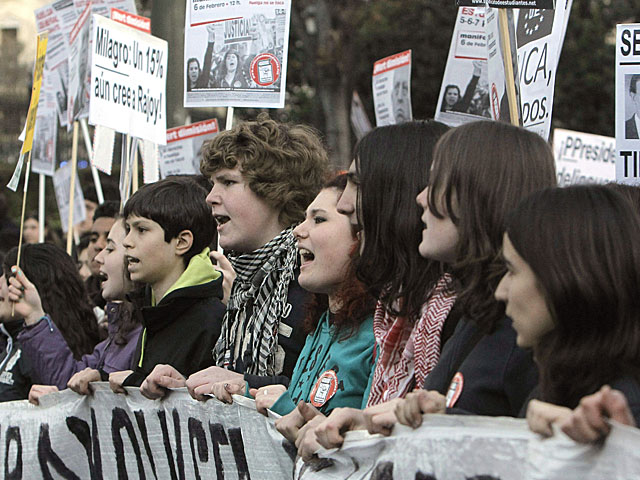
(183, 152)
(43, 157)
(466, 70)
(128, 81)
(458, 447)
(539, 38)
(62, 187)
(116, 436)
(392, 89)
(628, 103)
(235, 53)
(583, 157)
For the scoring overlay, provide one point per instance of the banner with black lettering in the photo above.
(628, 103)
(461, 447)
(583, 157)
(127, 436)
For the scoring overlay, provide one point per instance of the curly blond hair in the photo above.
(283, 164)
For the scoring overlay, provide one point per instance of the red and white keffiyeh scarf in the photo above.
(408, 351)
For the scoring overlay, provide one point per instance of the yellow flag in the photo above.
(35, 92)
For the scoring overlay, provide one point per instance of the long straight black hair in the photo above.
(62, 293)
(582, 244)
(393, 164)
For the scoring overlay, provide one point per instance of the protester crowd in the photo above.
(445, 272)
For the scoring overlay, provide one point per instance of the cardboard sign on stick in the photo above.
(392, 89)
(128, 81)
(628, 103)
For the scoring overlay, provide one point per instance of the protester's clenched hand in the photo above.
(588, 422)
(223, 265)
(330, 433)
(409, 411)
(38, 391)
(25, 297)
(81, 381)
(307, 441)
(266, 396)
(381, 418)
(542, 415)
(223, 391)
(201, 383)
(161, 378)
(116, 379)
(289, 425)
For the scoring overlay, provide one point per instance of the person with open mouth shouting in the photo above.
(264, 174)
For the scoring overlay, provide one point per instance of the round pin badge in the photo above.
(455, 389)
(325, 388)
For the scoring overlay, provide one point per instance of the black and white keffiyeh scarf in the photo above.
(258, 301)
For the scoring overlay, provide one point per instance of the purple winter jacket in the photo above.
(53, 362)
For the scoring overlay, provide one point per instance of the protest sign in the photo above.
(466, 69)
(35, 92)
(539, 39)
(183, 152)
(103, 143)
(43, 157)
(117, 436)
(131, 20)
(628, 103)
(27, 134)
(78, 93)
(456, 447)
(128, 81)
(150, 162)
(62, 186)
(583, 158)
(502, 65)
(127, 436)
(235, 53)
(392, 89)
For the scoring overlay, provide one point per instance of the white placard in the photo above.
(583, 157)
(79, 48)
(183, 152)
(128, 81)
(464, 95)
(539, 36)
(103, 142)
(43, 155)
(150, 167)
(392, 89)
(235, 53)
(628, 103)
(62, 186)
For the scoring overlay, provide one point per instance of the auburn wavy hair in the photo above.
(356, 303)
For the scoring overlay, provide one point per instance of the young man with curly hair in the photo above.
(264, 174)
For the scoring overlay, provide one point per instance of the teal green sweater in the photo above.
(332, 373)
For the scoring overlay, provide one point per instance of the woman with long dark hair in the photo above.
(571, 288)
(58, 292)
(480, 170)
(51, 357)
